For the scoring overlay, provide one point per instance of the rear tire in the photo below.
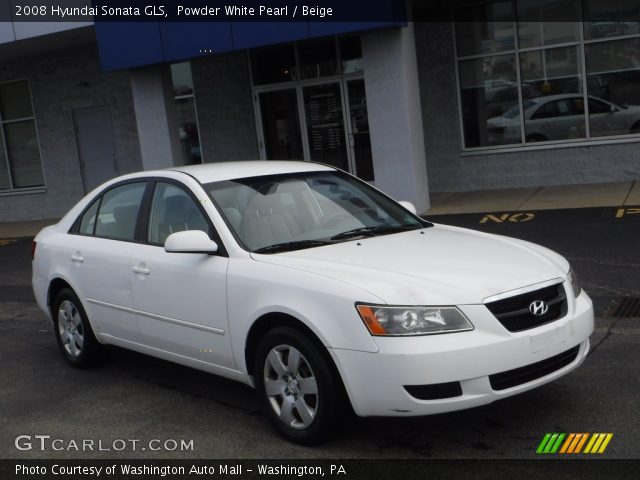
(298, 390)
(73, 331)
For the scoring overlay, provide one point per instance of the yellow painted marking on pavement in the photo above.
(6, 241)
(621, 212)
(510, 217)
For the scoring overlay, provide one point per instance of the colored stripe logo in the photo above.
(569, 443)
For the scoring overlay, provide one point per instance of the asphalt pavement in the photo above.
(132, 396)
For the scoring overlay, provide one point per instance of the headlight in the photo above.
(573, 278)
(381, 320)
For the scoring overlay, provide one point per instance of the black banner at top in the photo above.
(395, 11)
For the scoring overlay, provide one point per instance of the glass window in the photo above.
(271, 212)
(318, 58)
(611, 18)
(20, 164)
(24, 155)
(351, 54)
(538, 23)
(188, 131)
(613, 75)
(182, 79)
(186, 113)
(15, 101)
(118, 213)
(281, 125)
(553, 76)
(273, 64)
(88, 221)
(173, 210)
(538, 92)
(484, 28)
(488, 89)
(5, 181)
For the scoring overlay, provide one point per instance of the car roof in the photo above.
(218, 171)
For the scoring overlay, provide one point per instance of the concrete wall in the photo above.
(395, 119)
(450, 171)
(224, 106)
(61, 82)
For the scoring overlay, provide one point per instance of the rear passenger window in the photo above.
(88, 220)
(119, 211)
(173, 210)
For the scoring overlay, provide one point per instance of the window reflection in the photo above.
(611, 18)
(186, 113)
(488, 90)
(318, 58)
(613, 70)
(491, 30)
(557, 112)
(538, 23)
(546, 100)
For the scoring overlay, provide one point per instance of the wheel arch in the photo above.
(56, 285)
(271, 320)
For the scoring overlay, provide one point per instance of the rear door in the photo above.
(99, 255)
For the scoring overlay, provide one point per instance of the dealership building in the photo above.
(414, 107)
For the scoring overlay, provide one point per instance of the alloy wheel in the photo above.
(290, 386)
(70, 328)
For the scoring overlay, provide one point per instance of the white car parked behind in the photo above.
(312, 286)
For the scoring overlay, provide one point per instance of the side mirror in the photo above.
(409, 206)
(190, 241)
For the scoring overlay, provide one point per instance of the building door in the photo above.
(280, 118)
(94, 137)
(322, 122)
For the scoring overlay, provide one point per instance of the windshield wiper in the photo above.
(297, 245)
(378, 229)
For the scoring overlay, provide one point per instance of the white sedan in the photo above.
(560, 117)
(312, 286)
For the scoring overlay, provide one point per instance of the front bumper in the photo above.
(375, 382)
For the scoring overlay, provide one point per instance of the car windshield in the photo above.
(270, 214)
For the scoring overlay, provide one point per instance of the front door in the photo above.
(180, 298)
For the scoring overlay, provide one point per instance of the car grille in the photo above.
(434, 391)
(513, 312)
(518, 376)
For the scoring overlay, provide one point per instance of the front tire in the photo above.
(73, 331)
(298, 389)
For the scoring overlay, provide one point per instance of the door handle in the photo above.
(141, 270)
(77, 257)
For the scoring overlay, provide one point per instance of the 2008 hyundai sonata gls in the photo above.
(313, 287)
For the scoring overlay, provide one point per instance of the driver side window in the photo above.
(173, 210)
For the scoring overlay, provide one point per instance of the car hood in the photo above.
(441, 265)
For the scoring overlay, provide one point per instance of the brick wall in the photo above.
(61, 82)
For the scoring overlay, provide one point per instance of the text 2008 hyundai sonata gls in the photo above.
(312, 286)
